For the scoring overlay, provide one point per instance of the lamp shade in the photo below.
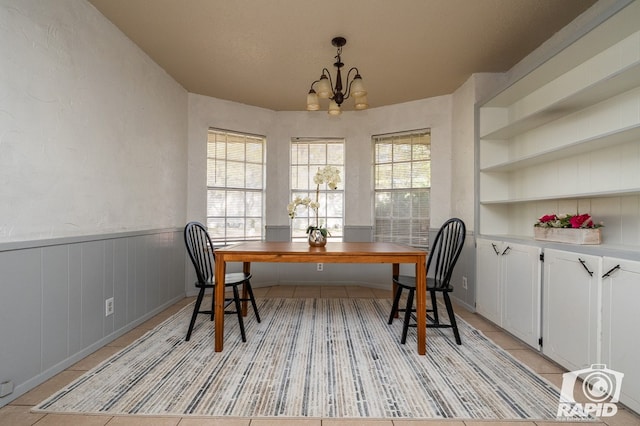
(324, 87)
(361, 102)
(334, 108)
(357, 87)
(312, 101)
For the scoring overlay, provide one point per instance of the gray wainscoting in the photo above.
(53, 293)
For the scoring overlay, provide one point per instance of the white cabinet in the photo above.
(488, 280)
(508, 287)
(571, 308)
(620, 325)
(521, 292)
(565, 138)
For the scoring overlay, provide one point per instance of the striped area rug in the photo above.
(332, 358)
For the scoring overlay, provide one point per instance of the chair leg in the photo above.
(252, 299)
(396, 302)
(236, 299)
(407, 316)
(434, 305)
(452, 318)
(196, 308)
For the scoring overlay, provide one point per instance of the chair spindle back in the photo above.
(200, 251)
(445, 250)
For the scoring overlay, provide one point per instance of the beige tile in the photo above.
(260, 291)
(554, 378)
(360, 292)
(535, 361)
(623, 417)
(481, 324)
(163, 316)
(306, 292)
(281, 291)
(463, 312)
(212, 421)
(48, 388)
(128, 338)
(382, 293)
(333, 291)
(95, 358)
(73, 419)
(18, 415)
(505, 340)
(565, 423)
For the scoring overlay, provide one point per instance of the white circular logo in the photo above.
(597, 386)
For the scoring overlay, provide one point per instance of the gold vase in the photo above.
(317, 238)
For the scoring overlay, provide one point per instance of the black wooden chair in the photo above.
(443, 255)
(202, 255)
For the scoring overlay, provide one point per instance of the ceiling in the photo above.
(267, 53)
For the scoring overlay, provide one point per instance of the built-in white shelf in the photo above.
(564, 196)
(607, 140)
(614, 84)
(567, 136)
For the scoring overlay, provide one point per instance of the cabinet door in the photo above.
(488, 297)
(521, 273)
(571, 308)
(620, 331)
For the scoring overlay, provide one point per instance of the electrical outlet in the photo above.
(108, 307)
(464, 282)
(6, 388)
(320, 267)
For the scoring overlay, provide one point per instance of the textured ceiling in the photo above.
(266, 53)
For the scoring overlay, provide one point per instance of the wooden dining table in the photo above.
(333, 252)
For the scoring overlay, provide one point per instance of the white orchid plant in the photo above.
(329, 175)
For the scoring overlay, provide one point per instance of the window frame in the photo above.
(304, 215)
(410, 225)
(233, 189)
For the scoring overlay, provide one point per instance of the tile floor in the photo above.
(18, 413)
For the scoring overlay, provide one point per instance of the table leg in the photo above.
(219, 305)
(421, 306)
(246, 268)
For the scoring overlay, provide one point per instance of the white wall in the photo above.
(92, 132)
(92, 141)
(356, 127)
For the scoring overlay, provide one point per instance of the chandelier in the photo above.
(324, 86)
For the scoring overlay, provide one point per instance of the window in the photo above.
(235, 186)
(402, 185)
(307, 156)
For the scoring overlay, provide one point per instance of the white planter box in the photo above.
(568, 235)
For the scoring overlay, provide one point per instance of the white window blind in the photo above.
(402, 187)
(235, 186)
(307, 156)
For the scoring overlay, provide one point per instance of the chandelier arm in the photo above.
(328, 74)
(348, 92)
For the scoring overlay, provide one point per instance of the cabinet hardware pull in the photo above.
(610, 271)
(506, 250)
(495, 249)
(584, 265)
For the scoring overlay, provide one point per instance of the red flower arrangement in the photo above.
(567, 221)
